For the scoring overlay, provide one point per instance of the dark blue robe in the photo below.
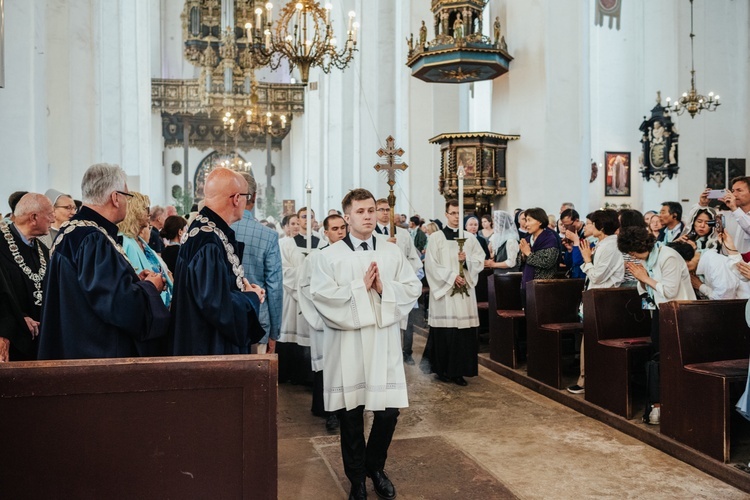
(94, 304)
(210, 314)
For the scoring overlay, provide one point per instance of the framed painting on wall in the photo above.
(617, 178)
(467, 158)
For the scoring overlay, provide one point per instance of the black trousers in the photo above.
(318, 407)
(360, 458)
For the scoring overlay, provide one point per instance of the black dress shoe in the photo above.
(460, 381)
(332, 422)
(443, 378)
(358, 491)
(383, 486)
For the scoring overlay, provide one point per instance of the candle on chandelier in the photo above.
(351, 19)
(269, 13)
(268, 37)
(354, 33)
(249, 31)
(258, 14)
(328, 14)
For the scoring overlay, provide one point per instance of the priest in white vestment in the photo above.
(363, 286)
(293, 346)
(404, 241)
(452, 346)
(334, 229)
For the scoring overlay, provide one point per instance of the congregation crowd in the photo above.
(114, 276)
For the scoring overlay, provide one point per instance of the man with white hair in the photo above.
(23, 267)
(95, 306)
(215, 309)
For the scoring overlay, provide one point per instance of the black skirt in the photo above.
(451, 352)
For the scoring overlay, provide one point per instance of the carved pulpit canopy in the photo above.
(482, 155)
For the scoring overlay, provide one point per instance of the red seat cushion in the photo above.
(511, 313)
(563, 327)
(730, 368)
(627, 343)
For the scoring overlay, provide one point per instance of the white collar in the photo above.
(357, 243)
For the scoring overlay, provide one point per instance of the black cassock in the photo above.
(210, 314)
(94, 304)
(16, 295)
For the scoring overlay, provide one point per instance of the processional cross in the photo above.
(392, 163)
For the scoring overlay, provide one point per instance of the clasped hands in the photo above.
(372, 279)
(252, 287)
(155, 279)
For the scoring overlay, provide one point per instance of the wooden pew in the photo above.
(617, 344)
(183, 427)
(506, 316)
(481, 293)
(551, 315)
(704, 363)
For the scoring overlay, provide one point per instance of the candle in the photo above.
(351, 20)
(268, 38)
(258, 13)
(269, 13)
(308, 224)
(460, 174)
(354, 33)
(328, 14)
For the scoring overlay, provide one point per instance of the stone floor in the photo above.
(501, 440)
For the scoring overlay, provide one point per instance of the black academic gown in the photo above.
(16, 296)
(94, 304)
(210, 314)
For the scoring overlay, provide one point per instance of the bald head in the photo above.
(223, 191)
(34, 215)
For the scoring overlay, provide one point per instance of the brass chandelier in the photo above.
(252, 121)
(691, 101)
(304, 36)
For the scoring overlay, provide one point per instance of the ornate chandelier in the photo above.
(691, 100)
(304, 36)
(252, 121)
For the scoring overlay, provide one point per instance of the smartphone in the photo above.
(715, 194)
(720, 224)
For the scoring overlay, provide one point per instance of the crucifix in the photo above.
(391, 164)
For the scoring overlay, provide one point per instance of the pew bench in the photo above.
(507, 319)
(182, 427)
(704, 365)
(551, 318)
(617, 344)
(481, 292)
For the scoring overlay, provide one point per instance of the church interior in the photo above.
(621, 104)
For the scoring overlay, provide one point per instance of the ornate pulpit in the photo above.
(482, 156)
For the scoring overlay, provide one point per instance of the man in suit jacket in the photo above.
(261, 259)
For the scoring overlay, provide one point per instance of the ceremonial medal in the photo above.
(36, 278)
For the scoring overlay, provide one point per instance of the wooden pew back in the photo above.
(183, 427)
(613, 313)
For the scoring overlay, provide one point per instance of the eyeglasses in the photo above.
(247, 196)
(385, 209)
(128, 195)
(70, 208)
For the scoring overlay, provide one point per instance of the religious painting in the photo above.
(289, 207)
(617, 180)
(488, 162)
(467, 158)
(736, 168)
(715, 173)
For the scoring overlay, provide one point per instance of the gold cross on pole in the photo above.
(391, 164)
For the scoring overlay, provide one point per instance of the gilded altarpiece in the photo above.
(482, 155)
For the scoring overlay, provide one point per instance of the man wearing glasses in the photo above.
(214, 307)
(95, 306)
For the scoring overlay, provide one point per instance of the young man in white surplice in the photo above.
(362, 286)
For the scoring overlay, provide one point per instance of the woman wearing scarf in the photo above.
(471, 225)
(702, 230)
(663, 278)
(540, 249)
(503, 244)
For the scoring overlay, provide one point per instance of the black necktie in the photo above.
(364, 245)
(385, 230)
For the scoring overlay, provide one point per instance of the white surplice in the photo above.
(309, 312)
(441, 267)
(294, 327)
(363, 362)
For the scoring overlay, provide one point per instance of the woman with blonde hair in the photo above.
(141, 256)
